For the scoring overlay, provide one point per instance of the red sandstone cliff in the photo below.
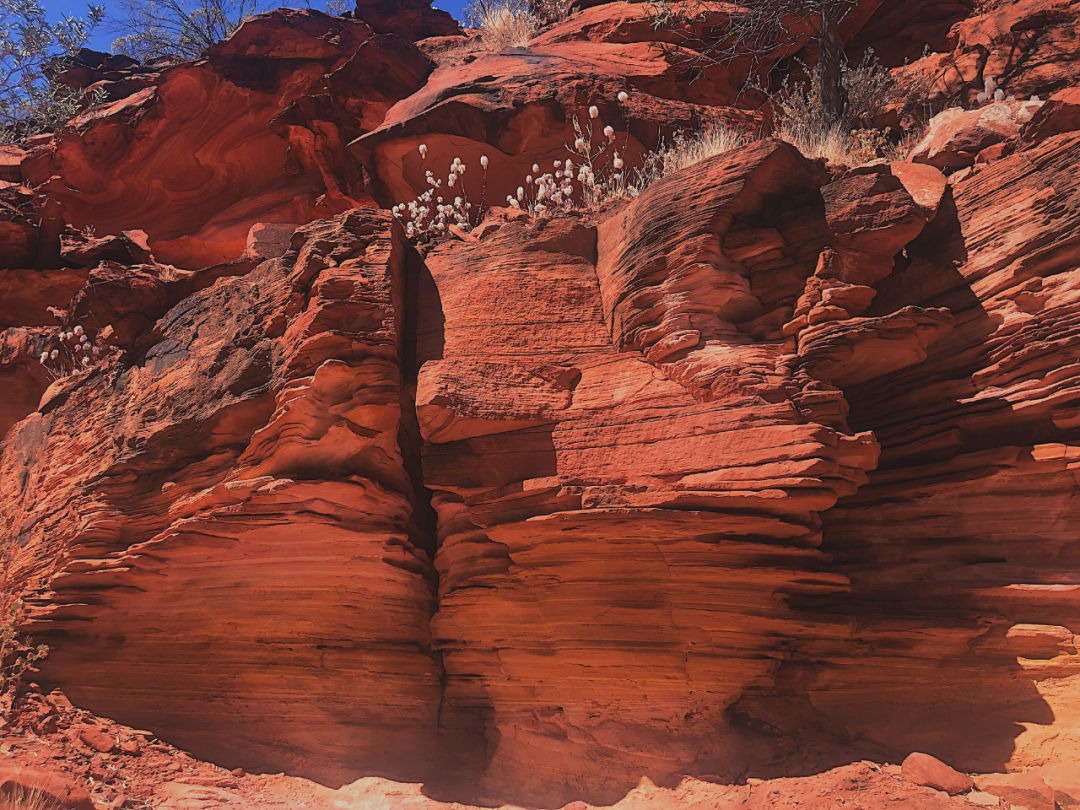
(767, 470)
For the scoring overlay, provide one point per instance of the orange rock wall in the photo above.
(767, 469)
(243, 565)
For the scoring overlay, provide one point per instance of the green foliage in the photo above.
(31, 100)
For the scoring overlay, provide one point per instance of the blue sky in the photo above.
(101, 38)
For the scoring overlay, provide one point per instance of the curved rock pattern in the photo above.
(247, 134)
(767, 469)
(247, 464)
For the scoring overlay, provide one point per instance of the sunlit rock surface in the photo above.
(766, 470)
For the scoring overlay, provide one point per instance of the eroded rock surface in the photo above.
(253, 132)
(767, 469)
(241, 537)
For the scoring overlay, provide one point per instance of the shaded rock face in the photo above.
(972, 510)
(1030, 47)
(768, 468)
(604, 494)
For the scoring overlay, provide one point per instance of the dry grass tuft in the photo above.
(21, 798)
(835, 144)
(507, 25)
(687, 150)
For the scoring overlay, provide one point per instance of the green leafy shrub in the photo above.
(31, 100)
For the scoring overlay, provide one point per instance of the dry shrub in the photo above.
(503, 23)
(550, 11)
(869, 86)
(21, 798)
(799, 116)
(504, 27)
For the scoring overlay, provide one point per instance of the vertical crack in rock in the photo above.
(628, 477)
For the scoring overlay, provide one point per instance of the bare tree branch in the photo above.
(151, 28)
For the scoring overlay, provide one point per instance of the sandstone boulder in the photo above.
(49, 786)
(11, 158)
(923, 769)
(1025, 790)
(954, 137)
(1060, 113)
(245, 135)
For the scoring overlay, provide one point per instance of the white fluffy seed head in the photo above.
(594, 112)
(423, 150)
(623, 97)
(78, 330)
(536, 168)
(579, 145)
(54, 354)
(520, 193)
(483, 161)
(44, 357)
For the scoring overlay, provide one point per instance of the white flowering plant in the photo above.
(69, 351)
(594, 171)
(444, 205)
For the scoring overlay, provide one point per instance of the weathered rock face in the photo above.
(517, 106)
(249, 462)
(966, 533)
(1029, 47)
(764, 470)
(629, 461)
(247, 134)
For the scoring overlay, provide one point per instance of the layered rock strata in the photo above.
(771, 467)
(628, 472)
(242, 565)
(967, 535)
